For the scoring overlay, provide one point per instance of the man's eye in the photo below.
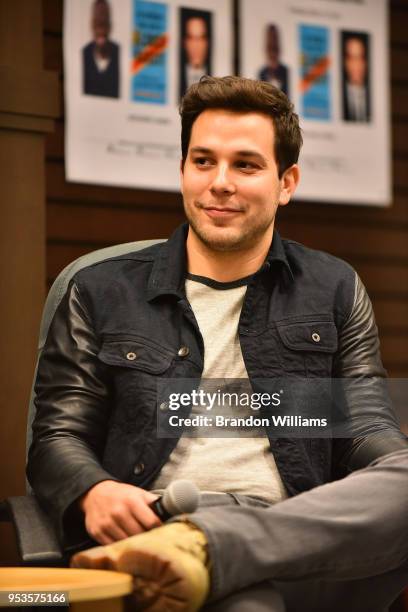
(202, 161)
(245, 165)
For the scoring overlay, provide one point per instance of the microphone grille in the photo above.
(181, 496)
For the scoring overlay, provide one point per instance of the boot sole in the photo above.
(159, 584)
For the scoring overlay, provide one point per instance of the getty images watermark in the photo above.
(292, 407)
(212, 401)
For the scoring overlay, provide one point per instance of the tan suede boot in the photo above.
(169, 565)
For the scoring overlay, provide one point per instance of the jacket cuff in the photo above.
(68, 517)
(374, 446)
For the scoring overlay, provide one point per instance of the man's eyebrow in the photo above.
(243, 153)
(200, 150)
(250, 153)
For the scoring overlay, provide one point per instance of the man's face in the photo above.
(230, 183)
(196, 42)
(355, 61)
(101, 24)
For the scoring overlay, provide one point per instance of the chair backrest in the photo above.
(55, 295)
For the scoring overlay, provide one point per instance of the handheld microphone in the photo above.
(179, 497)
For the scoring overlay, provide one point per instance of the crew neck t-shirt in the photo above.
(243, 465)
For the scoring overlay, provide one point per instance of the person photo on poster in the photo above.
(274, 71)
(355, 76)
(100, 57)
(195, 46)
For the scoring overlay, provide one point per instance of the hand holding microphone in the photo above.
(115, 510)
(180, 496)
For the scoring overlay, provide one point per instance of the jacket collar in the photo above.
(277, 255)
(170, 265)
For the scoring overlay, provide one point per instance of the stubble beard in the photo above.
(226, 240)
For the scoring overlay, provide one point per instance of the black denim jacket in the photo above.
(96, 408)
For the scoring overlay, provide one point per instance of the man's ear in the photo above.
(289, 182)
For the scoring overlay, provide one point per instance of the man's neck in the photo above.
(102, 51)
(225, 266)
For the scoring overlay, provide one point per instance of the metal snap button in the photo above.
(315, 337)
(163, 406)
(183, 351)
(131, 356)
(139, 468)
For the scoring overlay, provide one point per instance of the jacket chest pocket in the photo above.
(133, 365)
(307, 348)
(136, 354)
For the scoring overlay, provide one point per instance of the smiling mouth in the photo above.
(221, 212)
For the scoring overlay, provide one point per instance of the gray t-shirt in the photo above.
(222, 464)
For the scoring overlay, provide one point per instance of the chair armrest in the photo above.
(36, 538)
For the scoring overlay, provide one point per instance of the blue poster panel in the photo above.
(315, 72)
(149, 52)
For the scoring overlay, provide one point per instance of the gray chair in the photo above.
(36, 539)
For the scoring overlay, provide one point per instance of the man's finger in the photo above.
(115, 532)
(130, 525)
(103, 539)
(145, 516)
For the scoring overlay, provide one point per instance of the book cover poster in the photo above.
(330, 57)
(126, 65)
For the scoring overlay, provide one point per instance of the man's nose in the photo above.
(222, 182)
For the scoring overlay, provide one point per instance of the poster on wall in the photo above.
(331, 58)
(127, 63)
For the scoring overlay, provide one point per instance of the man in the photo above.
(225, 298)
(101, 56)
(356, 101)
(196, 47)
(274, 72)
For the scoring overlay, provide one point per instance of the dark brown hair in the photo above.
(241, 95)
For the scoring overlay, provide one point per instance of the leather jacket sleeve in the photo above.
(358, 357)
(72, 412)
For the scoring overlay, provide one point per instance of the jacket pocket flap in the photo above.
(136, 354)
(309, 336)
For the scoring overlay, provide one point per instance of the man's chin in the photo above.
(222, 239)
(102, 44)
